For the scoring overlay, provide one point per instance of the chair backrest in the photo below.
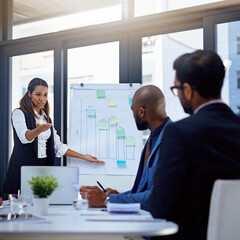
(224, 216)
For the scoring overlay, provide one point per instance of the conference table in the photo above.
(65, 222)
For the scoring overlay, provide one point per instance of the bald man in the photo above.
(148, 107)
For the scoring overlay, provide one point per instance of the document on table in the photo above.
(123, 207)
(124, 218)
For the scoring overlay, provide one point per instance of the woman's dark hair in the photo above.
(202, 69)
(26, 103)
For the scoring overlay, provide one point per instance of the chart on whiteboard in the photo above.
(101, 123)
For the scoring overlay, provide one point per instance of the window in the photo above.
(238, 79)
(93, 64)
(238, 111)
(226, 47)
(158, 54)
(24, 69)
(39, 17)
(146, 7)
(238, 45)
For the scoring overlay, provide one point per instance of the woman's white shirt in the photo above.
(19, 123)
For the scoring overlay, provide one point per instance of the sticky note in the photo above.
(101, 94)
(120, 133)
(91, 112)
(130, 101)
(121, 163)
(113, 121)
(103, 125)
(112, 102)
(130, 141)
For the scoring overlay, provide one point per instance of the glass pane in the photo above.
(38, 17)
(158, 55)
(24, 69)
(228, 35)
(146, 7)
(93, 64)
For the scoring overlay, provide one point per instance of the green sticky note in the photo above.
(103, 125)
(91, 112)
(120, 133)
(130, 141)
(101, 94)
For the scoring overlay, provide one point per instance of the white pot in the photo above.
(40, 206)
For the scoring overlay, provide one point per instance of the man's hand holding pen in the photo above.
(96, 197)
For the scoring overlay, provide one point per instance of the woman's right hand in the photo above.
(92, 159)
(31, 134)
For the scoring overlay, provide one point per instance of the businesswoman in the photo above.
(35, 140)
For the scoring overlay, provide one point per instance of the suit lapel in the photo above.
(145, 175)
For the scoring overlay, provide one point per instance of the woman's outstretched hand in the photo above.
(92, 159)
(31, 134)
(43, 127)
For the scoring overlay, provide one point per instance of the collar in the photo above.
(207, 103)
(43, 114)
(157, 131)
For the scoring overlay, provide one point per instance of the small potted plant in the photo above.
(42, 187)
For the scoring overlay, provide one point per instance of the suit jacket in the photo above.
(25, 155)
(144, 180)
(194, 153)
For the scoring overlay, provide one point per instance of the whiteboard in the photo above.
(101, 123)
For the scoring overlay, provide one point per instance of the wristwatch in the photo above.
(106, 201)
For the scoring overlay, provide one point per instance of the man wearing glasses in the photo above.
(196, 150)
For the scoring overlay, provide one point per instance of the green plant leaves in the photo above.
(43, 186)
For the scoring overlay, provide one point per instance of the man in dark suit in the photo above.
(148, 107)
(196, 150)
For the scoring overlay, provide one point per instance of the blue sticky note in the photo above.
(130, 101)
(91, 112)
(121, 163)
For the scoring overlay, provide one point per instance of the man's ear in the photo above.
(141, 112)
(188, 92)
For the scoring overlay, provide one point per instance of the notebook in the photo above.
(123, 207)
(67, 178)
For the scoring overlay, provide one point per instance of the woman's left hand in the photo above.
(92, 159)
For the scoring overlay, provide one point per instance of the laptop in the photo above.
(68, 179)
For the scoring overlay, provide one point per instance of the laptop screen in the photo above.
(67, 177)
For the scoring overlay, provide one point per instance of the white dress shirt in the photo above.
(19, 123)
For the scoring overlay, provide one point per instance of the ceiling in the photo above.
(33, 10)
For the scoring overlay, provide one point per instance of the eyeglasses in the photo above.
(175, 89)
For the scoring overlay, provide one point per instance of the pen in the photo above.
(100, 185)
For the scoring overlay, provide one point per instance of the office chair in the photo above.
(224, 216)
